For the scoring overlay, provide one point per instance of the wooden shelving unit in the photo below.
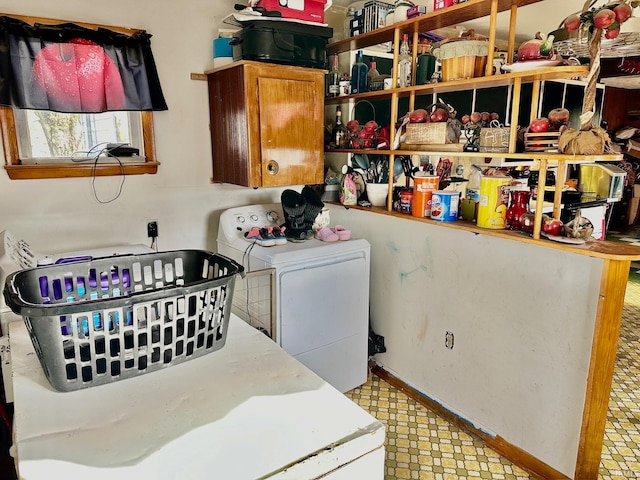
(456, 14)
(616, 257)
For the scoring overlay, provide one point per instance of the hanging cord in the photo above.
(94, 154)
(246, 258)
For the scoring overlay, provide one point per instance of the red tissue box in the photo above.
(438, 4)
(309, 10)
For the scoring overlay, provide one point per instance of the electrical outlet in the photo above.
(448, 340)
(152, 229)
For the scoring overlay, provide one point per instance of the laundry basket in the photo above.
(97, 321)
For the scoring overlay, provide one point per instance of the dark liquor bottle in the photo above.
(333, 79)
(339, 132)
(359, 75)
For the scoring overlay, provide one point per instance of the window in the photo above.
(50, 144)
(23, 161)
(46, 137)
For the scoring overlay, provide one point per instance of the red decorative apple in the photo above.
(540, 125)
(558, 117)
(612, 33)
(604, 18)
(572, 22)
(371, 126)
(623, 12)
(551, 226)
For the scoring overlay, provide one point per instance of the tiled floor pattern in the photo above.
(420, 445)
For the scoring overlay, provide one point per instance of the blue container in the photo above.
(444, 206)
(222, 48)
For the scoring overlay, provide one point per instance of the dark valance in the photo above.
(72, 69)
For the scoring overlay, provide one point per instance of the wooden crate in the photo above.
(426, 133)
(495, 140)
(541, 142)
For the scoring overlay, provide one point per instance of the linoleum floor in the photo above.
(420, 445)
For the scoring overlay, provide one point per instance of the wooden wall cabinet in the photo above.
(267, 124)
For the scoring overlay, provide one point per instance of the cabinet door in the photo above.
(230, 133)
(291, 129)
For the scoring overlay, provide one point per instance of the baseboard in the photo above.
(514, 454)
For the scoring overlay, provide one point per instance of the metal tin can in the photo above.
(444, 205)
(406, 201)
(494, 201)
(423, 186)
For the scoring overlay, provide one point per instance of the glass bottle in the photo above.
(519, 206)
(426, 66)
(333, 78)
(359, 75)
(347, 22)
(372, 75)
(404, 63)
(339, 132)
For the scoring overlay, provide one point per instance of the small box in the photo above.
(416, 10)
(309, 10)
(601, 179)
(375, 14)
(439, 4)
(222, 48)
(356, 23)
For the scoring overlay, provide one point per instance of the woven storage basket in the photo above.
(94, 322)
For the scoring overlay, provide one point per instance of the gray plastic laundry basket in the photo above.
(101, 320)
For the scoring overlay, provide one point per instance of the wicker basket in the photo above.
(354, 139)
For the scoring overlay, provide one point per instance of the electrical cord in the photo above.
(246, 257)
(93, 154)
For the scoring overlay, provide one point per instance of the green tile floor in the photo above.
(420, 445)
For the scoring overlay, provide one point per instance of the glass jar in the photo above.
(519, 206)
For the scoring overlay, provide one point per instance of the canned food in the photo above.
(494, 201)
(422, 188)
(444, 206)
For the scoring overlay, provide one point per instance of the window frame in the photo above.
(17, 171)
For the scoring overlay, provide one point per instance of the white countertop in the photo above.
(248, 410)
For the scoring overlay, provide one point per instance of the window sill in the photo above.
(24, 172)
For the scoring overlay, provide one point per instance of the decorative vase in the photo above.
(519, 206)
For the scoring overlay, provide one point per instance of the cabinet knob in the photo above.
(272, 167)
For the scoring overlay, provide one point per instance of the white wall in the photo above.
(62, 214)
(522, 317)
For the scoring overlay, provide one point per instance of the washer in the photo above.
(312, 298)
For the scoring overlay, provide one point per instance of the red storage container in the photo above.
(438, 4)
(309, 10)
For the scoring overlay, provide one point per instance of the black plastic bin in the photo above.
(287, 43)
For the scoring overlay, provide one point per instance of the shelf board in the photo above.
(594, 248)
(550, 157)
(24, 172)
(454, 15)
(501, 80)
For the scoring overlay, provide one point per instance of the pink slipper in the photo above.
(326, 235)
(343, 233)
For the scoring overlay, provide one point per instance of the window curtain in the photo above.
(72, 69)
